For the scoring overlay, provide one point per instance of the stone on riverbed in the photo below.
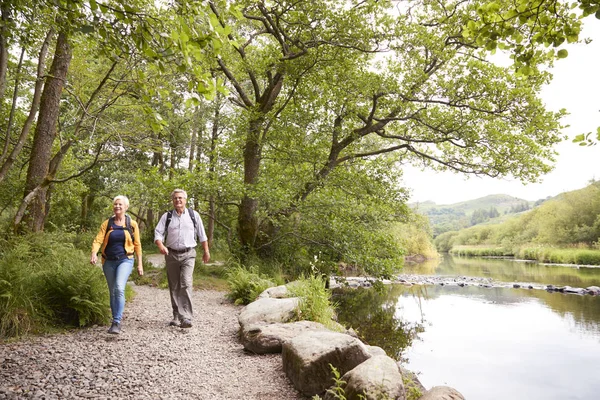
(376, 378)
(263, 339)
(267, 310)
(307, 358)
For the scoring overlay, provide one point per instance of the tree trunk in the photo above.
(3, 49)
(45, 133)
(247, 219)
(35, 103)
(211, 172)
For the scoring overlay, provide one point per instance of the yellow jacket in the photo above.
(132, 245)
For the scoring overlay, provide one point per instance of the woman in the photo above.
(118, 239)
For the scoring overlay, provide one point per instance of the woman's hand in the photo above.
(140, 269)
(94, 259)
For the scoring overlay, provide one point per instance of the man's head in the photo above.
(179, 197)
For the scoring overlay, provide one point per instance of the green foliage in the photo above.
(315, 301)
(453, 217)
(560, 256)
(411, 389)
(245, 284)
(569, 221)
(415, 236)
(45, 281)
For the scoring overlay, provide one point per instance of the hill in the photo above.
(452, 217)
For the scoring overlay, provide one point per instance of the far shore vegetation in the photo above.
(563, 230)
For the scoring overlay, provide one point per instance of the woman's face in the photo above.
(119, 207)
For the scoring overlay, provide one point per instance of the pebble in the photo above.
(148, 360)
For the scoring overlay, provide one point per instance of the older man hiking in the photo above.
(175, 235)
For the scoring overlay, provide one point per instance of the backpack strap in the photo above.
(193, 217)
(128, 226)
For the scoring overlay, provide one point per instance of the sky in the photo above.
(575, 87)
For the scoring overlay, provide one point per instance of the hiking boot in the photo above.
(186, 323)
(175, 322)
(115, 328)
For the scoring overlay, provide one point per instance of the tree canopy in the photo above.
(288, 122)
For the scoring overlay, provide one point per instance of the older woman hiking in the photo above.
(118, 240)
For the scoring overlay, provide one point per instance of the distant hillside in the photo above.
(452, 217)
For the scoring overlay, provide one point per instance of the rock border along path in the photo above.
(148, 360)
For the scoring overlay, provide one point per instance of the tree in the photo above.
(308, 80)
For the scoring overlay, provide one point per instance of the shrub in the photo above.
(315, 300)
(45, 280)
(246, 284)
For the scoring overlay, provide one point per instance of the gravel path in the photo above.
(148, 360)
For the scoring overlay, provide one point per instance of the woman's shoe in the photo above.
(115, 328)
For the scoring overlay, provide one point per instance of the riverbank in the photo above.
(149, 360)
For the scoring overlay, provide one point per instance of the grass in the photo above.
(315, 301)
(546, 254)
(245, 284)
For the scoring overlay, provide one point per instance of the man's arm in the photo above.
(206, 255)
(159, 235)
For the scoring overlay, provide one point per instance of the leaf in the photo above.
(562, 53)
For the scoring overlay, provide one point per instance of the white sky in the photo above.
(575, 87)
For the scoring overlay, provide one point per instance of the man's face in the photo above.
(179, 201)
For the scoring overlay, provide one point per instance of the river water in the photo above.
(488, 343)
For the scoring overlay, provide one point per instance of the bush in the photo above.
(315, 300)
(45, 281)
(246, 284)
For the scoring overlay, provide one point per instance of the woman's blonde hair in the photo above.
(124, 199)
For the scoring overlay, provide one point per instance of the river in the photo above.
(488, 343)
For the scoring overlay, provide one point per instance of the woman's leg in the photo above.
(122, 271)
(110, 272)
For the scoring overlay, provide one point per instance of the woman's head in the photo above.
(121, 202)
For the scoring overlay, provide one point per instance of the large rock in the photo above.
(442, 393)
(378, 377)
(307, 359)
(268, 311)
(262, 339)
(277, 292)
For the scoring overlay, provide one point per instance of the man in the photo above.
(181, 226)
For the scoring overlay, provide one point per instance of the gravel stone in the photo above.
(148, 360)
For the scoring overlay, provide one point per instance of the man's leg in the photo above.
(173, 267)
(186, 281)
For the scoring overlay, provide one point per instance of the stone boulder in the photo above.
(376, 378)
(268, 311)
(307, 358)
(442, 393)
(262, 339)
(277, 292)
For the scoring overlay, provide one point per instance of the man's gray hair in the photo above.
(174, 192)
(124, 199)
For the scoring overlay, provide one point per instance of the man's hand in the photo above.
(206, 257)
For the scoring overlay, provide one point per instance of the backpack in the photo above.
(128, 226)
(170, 216)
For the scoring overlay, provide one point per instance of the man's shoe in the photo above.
(186, 323)
(115, 328)
(175, 322)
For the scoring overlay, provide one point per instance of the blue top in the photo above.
(115, 248)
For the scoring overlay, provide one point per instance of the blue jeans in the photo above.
(117, 273)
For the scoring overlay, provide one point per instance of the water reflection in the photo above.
(505, 270)
(489, 343)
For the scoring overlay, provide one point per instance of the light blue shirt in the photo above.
(180, 233)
